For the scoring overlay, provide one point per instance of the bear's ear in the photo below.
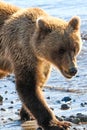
(75, 23)
(42, 24)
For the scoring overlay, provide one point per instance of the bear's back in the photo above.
(22, 24)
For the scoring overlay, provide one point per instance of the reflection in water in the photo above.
(30, 125)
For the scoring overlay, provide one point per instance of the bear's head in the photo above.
(58, 42)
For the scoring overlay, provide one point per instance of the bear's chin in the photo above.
(66, 74)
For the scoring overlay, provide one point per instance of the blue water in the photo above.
(60, 8)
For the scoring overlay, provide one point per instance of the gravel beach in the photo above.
(64, 104)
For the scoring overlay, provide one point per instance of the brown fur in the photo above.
(6, 10)
(33, 41)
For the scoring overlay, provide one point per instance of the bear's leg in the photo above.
(34, 102)
(25, 116)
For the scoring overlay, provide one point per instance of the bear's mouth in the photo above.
(67, 74)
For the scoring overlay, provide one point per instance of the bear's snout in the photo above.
(73, 71)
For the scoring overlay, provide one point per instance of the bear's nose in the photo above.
(73, 71)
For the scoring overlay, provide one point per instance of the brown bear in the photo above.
(32, 41)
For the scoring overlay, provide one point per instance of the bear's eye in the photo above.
(61, 51)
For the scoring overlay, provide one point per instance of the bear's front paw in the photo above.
(58, 125)
(64, 124)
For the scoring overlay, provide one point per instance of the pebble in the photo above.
(79, 118)
(10, 107)
(5, 86)
(48, 97)
(2, 119)
(6, 98)
(76, 120)
(17, 113)
(12, 102)
(85, 103)
(73, 120)
(10, 119)
(13, 81)
(82, 117)
(52, 108)
(6, 92)
(58, 101)
(1, 99)
(60, 118)
(65, 106)
(82, 105)
(2, 109)
(66, 99)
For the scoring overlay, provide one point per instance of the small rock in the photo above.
(77, 76)
(65, 106)
(63, 117)
(74, 128)
(52, 108)
(1, 99)
(82, 117)
(2, 119)
(18, 110)
(17, 113)
(13, 80)
(72, 116)
(82, 104)
(79, 114)
(60, 118)
(6, 98)
(68, 119)
(6, 92)
(2, 109)
(10, 119)
(48, 97)
(10, 107)
(66, 99)
(5, 86)
(13, 92)
(74, 100)
(73, 120)
(12, 102)
(58, 101)
(85, 103)
(76, 121)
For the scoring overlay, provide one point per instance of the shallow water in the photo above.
(76, 88)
